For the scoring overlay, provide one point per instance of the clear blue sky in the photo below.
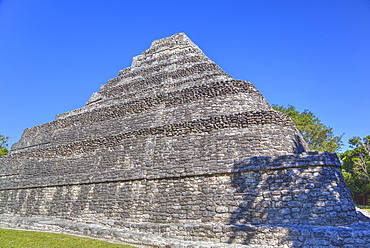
(313, 54)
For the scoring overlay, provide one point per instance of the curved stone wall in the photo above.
(289, 197)
(290, 189)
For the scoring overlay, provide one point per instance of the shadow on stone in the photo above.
(284, 192)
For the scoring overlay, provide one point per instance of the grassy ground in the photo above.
(21, 239)
(364, 207)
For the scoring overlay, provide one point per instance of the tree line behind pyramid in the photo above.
(355, 161)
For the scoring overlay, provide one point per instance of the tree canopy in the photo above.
(318, 136)
(356, 168)
(3, 145)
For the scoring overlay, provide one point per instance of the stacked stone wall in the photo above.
(143, 153)
(230, 203)
(189, 103)
(283, 190)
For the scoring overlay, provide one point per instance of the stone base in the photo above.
(202, 235)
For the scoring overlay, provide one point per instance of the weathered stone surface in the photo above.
(175, 153)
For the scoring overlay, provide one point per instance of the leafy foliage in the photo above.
(3, 145)
(318, 136)
(356, 169)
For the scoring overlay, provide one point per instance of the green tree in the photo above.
(3, 145)
(356, 166)
(318, 136)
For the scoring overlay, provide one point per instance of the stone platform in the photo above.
(356, 235)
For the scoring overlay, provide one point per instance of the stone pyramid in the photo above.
(172, 89)
(174, 152)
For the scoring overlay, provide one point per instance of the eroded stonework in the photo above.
(176, 153)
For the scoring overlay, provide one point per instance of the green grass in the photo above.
(364, 207)
(30, 239)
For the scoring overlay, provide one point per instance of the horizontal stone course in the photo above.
(169, 99)
(176, 140)
(44, 176)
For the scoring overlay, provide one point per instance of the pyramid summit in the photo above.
(168, 62)
(174, 152)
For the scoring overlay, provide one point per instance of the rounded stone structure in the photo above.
(176, 153)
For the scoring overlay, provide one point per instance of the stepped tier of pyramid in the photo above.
(174, 152)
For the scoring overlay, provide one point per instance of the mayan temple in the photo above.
(174, 152)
